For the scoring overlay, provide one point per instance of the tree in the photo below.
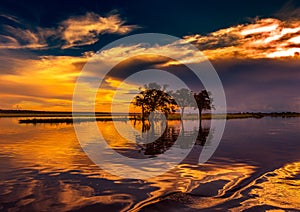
(184, 98)
(204, 102)
(154, 97)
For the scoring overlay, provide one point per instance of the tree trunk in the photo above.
(182, 111)
(143, 113)
(200, 118)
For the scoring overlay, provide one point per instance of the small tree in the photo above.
(184, 98)
(204, 102)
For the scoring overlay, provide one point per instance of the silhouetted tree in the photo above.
(204, 102)
(184, 98)
(154, 97)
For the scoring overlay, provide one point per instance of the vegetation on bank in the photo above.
(206, 116)
(138, 117)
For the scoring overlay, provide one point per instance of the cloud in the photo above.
(85, 30)
(40, 83)
(10, 18)
(263, 38)
(18, 38)
(260, 84)
(290, 11)
(73, 32)
(151, 54)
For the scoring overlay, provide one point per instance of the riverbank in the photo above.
(66, 117)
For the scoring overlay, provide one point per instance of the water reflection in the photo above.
(170, 136)
(43, 167)
(278, 188)
(234, 189)
(157, 138)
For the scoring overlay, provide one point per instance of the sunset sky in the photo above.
(254, 46)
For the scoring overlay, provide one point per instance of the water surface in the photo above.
(256, 166)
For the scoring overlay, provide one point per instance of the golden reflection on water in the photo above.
(279, 188)
(208, 181)
(48, 146)
(112, 136)
(46, 152)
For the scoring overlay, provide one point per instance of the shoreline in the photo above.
(68, 119)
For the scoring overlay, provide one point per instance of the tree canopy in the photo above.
(204, 100)
(154, 97)
(184, 98)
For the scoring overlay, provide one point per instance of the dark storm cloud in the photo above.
(260, 85)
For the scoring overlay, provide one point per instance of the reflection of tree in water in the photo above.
(202, 136)
(163, 143)
(169, 137)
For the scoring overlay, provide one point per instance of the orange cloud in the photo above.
(21, 39)
(264, 38)
(151, 54)
(75, 31)
(84, 30)
(43, 83)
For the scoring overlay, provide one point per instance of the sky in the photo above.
(254, 47)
